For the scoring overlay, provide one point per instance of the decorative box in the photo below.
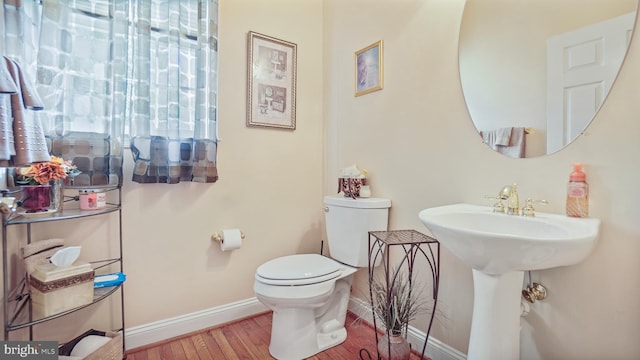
(350, 187)
(57, 289)
(111, 350)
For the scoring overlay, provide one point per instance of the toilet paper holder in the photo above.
(220, 238)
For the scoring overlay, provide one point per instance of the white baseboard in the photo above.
(142, 335)
(436, 350)
(154, 332)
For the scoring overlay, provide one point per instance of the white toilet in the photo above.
(309, 293)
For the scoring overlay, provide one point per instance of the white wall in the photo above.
(416, 139)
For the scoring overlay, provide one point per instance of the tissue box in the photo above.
(57, 289)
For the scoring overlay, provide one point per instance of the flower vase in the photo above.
(394, 347)
(36, 198)
(57, 195)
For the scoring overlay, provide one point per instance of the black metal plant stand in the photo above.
(404, 247)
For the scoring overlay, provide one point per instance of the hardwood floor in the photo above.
(248, 339)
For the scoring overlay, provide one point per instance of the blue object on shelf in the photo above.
(106, 280)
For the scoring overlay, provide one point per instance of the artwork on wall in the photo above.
(271, 82)
(369, 69)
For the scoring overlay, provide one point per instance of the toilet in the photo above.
(309, 293)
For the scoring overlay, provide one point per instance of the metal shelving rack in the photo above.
(18, 312)
(405, 247)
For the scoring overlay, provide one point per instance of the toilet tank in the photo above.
(348, 222)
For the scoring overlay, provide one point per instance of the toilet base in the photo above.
(296, 337)
(301, 332)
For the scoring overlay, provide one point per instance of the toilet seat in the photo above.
(301, 269)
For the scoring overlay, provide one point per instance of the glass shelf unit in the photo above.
(18, 310)
(22, 308)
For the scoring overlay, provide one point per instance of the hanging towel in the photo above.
(7, 85)
(495, 138)
(509, 141)
(503, 136)
(27, 142)
(516, 146)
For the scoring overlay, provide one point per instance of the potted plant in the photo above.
(395, 305)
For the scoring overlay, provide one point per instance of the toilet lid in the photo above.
(298, 270)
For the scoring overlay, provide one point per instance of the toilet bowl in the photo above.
(309, 293)
(309, 303)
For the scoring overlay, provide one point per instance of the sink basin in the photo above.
(495, 243)
(499, 248)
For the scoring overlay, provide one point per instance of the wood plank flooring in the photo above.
(248, 339)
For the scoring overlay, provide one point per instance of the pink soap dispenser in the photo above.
(577, 193)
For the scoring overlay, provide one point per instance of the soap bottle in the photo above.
(577, 193)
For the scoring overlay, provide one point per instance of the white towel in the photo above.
(509, 141)
(489, 138)
(497, 138)
(7, 85)
(516, 147)
(503, 136)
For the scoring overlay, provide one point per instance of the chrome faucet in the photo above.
(510, 193)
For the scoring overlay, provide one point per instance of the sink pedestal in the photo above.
(493, 243)
(495, 325)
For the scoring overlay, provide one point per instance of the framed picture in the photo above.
(369, 69)
(271, 82)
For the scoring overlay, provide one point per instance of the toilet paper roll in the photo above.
(231, 239)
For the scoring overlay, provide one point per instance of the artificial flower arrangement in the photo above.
(45, 172)
(395, 305)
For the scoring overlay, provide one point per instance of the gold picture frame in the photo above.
(369, 65)
(271, 82)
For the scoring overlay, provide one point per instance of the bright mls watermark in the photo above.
(30, 350)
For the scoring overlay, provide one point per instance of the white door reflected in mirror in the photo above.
(503, 68)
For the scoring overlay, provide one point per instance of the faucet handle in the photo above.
(505, 192)
(529, 210)
(498, 206)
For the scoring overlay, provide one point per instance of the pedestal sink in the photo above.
(499, 248)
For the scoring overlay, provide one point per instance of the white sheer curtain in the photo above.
(81, 77)
(174, 91)
(20, 32)
(103, 67)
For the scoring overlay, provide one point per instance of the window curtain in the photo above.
(81, 77)
(20, 32)
(72, 49)
(110, 71)
(173, 92)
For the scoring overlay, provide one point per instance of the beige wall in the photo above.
(270, 187)
(270, 182)
(416, 139)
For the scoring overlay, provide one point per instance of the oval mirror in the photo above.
(534, 73)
